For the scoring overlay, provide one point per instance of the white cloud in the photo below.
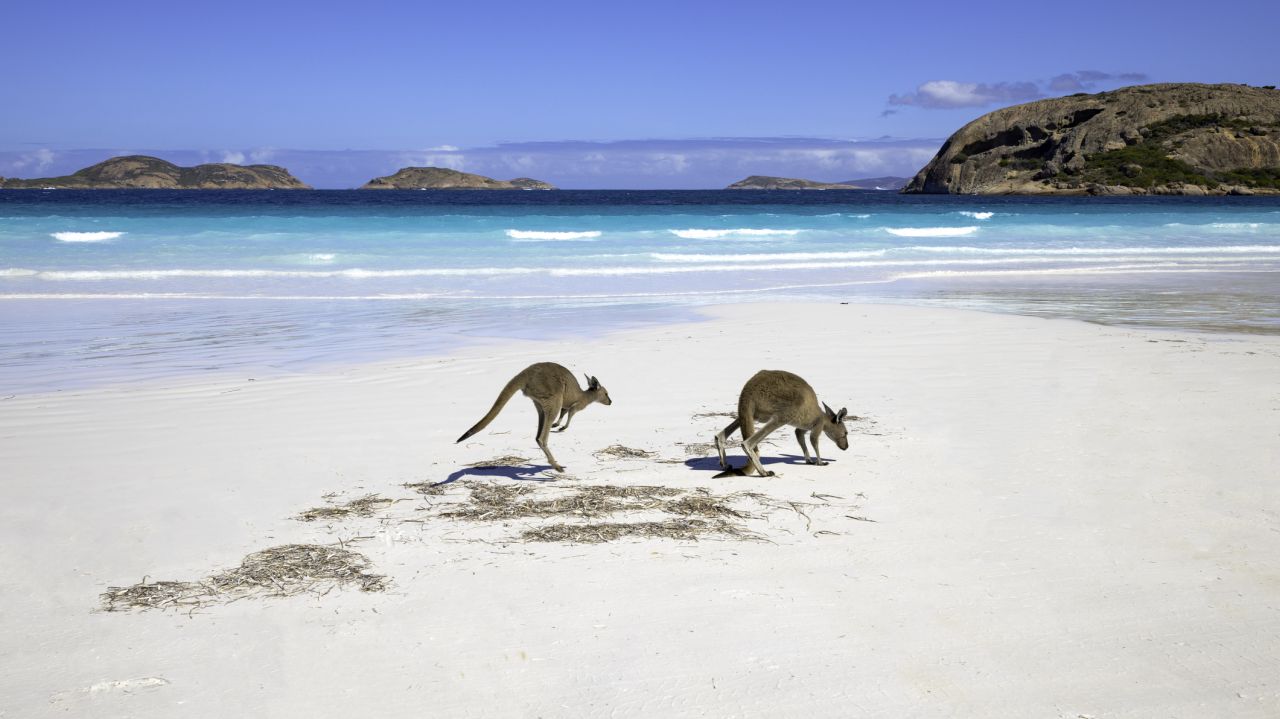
(432, 158)
(262, 154)
(232, 156)
(35, 161)
(946, 94)
(951, 94)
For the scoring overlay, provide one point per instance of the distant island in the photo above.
(888, 182)
(441, 178)
(1165, 139)
(766, 182)
(152, 173)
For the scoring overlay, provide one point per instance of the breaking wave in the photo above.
(85, 236)
(931, 231)
(540, 236)
(977, 215)
(696, 234)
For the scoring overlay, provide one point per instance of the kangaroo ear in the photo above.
(831, 414)
(593, 383)
(841, 414)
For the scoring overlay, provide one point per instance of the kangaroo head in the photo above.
(834, 426)
(597, 391)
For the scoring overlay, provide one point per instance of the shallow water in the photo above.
(113, 286)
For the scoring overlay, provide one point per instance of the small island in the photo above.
(442, 178)
(142, 172)
(1165, 139)
(765, 182)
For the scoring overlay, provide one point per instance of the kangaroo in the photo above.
(555, 394)
(780, 398)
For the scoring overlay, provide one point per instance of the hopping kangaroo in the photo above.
(555, 394)
(780, 398)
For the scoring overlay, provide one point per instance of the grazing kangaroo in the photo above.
(780, 398)
(555, 394)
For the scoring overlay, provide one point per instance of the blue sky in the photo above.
(829, 90)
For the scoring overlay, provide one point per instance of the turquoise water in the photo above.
(114, 286)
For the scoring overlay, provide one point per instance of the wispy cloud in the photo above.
(952, 94)
(1081, 80)
(35, 161)
(948, 94)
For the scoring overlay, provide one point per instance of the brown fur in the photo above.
(556, 396)
(779, 398)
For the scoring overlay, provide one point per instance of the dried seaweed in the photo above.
(430, 489)
(281, 571)
(506, 460)
(155, 595)
(295, 568)
(362, 507)
(489, 502)
(618, 451)
(683, 529)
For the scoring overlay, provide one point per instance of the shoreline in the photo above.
(1030, 508)
(462, 337)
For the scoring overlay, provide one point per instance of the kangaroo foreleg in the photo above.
(567, 415)
(817, 456)
(804, 447)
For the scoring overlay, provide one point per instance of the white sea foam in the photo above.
(1154, 267)
(741, 232)
(85, 236)
(540, 236)
(1237, 225)
(358, 274)
(765, 257)
(668, 263)
(931, 231)
(977, 215)
(1227, 249)
(324, 257)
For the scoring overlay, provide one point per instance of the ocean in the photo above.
(101, 287)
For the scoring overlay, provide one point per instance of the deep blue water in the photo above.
(118, 285)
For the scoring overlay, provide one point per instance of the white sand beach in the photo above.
(1035, 518)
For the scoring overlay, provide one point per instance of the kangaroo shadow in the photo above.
(712, 463)
(519, 473)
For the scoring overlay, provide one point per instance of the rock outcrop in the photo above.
(765, 182)
(143, 172)
(441, 178)
(1178, 138)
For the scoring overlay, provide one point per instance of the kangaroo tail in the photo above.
(503, 397)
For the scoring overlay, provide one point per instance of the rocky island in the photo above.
(442, 178)
(765, 182)
(1175, 139)
(152, 173)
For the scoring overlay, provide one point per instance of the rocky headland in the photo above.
(152, 173)
(441, 178)
(1172, 139)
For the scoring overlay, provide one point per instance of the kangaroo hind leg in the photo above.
(545, 413)
(751, 446)
(720, 442)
